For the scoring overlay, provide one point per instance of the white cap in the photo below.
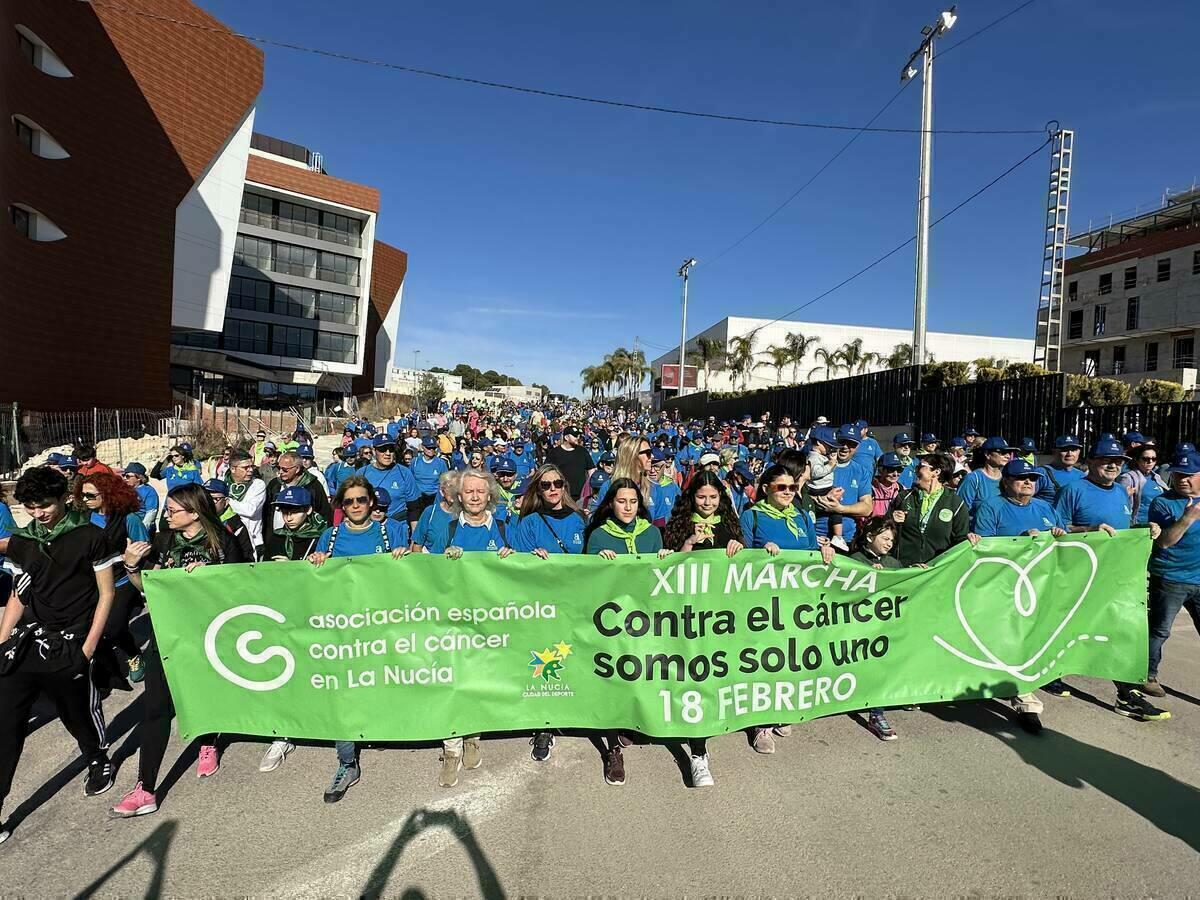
(959, 466)
(821, 420)
(706, 458)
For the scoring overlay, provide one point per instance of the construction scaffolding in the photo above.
(1048, 339)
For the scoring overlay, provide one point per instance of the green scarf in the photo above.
(788, 515)
(236, 491)
(665, 479)
(706, 525)
(313, 527)
(36, 531)
(628, 535)
(180, 545)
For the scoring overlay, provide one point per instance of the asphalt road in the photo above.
(964, 804)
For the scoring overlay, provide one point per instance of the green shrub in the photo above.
(988, 373)
(1157, 390)
(1088, 390)
(1023, 370)
(943, 374)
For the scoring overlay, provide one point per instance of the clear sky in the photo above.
(542, 233)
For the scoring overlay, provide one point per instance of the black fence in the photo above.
(1015, 408)
(1166, 423)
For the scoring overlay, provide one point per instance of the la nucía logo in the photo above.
(547, 666)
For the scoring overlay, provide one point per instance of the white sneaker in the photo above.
(838, 542)
(4, 835)
(275, 755)
(701, 776)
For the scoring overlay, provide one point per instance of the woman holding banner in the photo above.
(358, 535)
(194, 537)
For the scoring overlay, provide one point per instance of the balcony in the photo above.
(305, 229)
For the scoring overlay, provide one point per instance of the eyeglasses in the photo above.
(172, 511)
(551, 484)
(646, 452)
(789, 488)
(356, 501)
(87, 496)
(1149, 459)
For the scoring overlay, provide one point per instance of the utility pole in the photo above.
(944, 23)
(683, 273)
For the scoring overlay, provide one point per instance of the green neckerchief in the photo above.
(665, 479)
(180, 545)
(928, 501)
(313, 527)
(237, 491)
(626, 534)
(706, 524)
(36, 531)
(228, 514)
(787, 515)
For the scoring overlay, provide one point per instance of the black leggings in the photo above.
(698, 746)
(155, 728)
(116, 629)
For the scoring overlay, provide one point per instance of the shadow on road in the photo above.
(1166, 802)
(419, 821)
(156, 847)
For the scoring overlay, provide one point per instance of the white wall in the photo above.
(206, 224)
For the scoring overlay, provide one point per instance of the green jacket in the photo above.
(947, 525)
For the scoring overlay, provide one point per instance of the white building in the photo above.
(944, 347)
(405, 381)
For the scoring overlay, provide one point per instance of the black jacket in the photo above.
(948, 524)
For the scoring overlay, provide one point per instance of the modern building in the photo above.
(405, 381)
(1132, 303)
(155, 239)
(943, 346)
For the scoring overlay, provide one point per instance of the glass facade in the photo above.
(296, 218)
(228, 390)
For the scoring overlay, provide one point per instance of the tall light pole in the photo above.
(683, 273)
(944, 23)
(416, 368)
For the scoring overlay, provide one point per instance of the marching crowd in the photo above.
(542, 480)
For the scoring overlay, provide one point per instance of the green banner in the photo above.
(373, 648)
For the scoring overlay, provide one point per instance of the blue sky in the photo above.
(543, 233)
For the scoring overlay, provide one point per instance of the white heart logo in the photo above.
(1025, 603)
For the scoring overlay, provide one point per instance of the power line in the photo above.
(543, 92)
(992, 24)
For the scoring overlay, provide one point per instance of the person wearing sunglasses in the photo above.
(135, 476)
(572, 460)
(886, 486)
(1063, 469)
(1142, 482)
(385, 471)
(983, 481)
(113, 506)
(177, 467)
(292, 473)
(358, 534)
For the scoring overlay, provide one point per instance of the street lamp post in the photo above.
(683, 273)
(944, 23)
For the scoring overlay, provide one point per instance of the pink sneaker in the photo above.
(209, 761)
(137, 802)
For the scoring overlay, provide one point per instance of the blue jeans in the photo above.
(347, 752)
(1166, 599)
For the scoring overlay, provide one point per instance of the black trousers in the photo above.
(75, 698)
(126, 600)
(418, 506)
(155, 728)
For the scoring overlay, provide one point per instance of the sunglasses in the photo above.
(553, 484)
(87, 496)
(357, 501)
(789, 488)
(1149, 459)
(889, 470)
(388, 449)
(1025, 478)
(646, 452)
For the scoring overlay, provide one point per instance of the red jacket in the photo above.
(94, 467)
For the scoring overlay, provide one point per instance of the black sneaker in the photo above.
(1058, 688)
(1031, 722)
(100, 777)
(5, 834)
(1134, 705)
(542, 742)
(344, 778)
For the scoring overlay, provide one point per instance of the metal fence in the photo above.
(1014, 408)
(1166, 423)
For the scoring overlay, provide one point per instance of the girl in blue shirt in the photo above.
(774, 523)
(178, 467)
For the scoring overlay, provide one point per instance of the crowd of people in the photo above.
(540, 480)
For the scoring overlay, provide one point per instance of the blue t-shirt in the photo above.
(524, 463)
(908, 475)
(855, 482)
(479, 537)
(135, 528)
(547, 532)
(761, 529)
(868, 453)
(431, 528)
(1084, 502)
(662, 499)
(366, 542)
(149, 508)
(426, 472)
(188, 473)
(1001, 517)
(1181, 562)
(7, 524)
(1047, 489)
(397, 481)
(976, 487)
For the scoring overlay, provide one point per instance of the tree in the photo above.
(1087, 390)
(900, 357)
(945, 374)
(778, 358)
(741, 358)
(854, 358)
(798, 346)
(541, 387)
(831, 362)
(430, 390)
(1023, 370)
(708, 355)
(1157, 390)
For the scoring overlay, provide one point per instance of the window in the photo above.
(24, 134)
(1164, 269)
(298, 219)
(206, 340)
(252, 252)
(335, 347)
(341, 229)
(1091, 362)
(1119, 359)
(245, 337)
(294, 342)
(257, 209)
(1106, 283)
(338, 268)
(1131, 314)
(1099, 314)
(36, 140)
(1151, 356)
(1196, 262)
(41, 57)
(294, 301)
(293, 260)
(1131, 277)
(1185, 357)
(33, 224)
(28, 48)
(1072, 291)
(337, 308)
(22, 220)
(1075, 325)
(249, 293)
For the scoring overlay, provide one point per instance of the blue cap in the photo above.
(383, 498)
(608, 457)
(1067, 441)
(184, 446)
(849, 434)
(135, 468)
(824, 434)
(958, 442)
(1107, 448)
(382, 440)
(997, 443)
(502, 465)
(294, 496)
(428, 442)
(1134, 437)
(217, 486)
(657, 455)
(1017, 468)
(68, 462)
(901, 437)
(743, 471)
(305, 451)
(861, 424)
(891, 461)
(349, 450)
(970, 431)
(1186, 463)
(1183, 446)
(485, 442)
(54, 459)
(929, 438)
(1028, 445)
(599, 477)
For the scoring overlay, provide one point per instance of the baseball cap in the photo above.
(707, 458)
(54, 459)
(1028, 445)
(305, 451)
(1107, 448)
(135, 468)
(848, 433)
(571, 430)
(929, 438)
(608, 457)
(217, 486)
(861, 423)
(294, 496)
(68, 462)
(1186, 462)
(599, 477)
(182, 447)
(997, 443)
(1018, 468)
(891, 461)
(657, 455)
(503, 466)
(821, 420)
(348, 451)
(824, 434)
(1067, 441)
(1134, 437)
(428, 442)
(1185, 445)
(383, 499)
(902, 437)
(382, 440)
(743, 471)
(958, 442)
(970, 432)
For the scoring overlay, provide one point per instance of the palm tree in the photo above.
(798, 346)
(709, 354)
(741, 358)
(779, 357)
(636, 371)
(855, 358)
(831, 362)
(900, 357)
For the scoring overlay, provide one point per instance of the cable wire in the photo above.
(542, 92)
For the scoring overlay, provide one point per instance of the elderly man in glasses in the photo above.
(385, 471)
(292, 473)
